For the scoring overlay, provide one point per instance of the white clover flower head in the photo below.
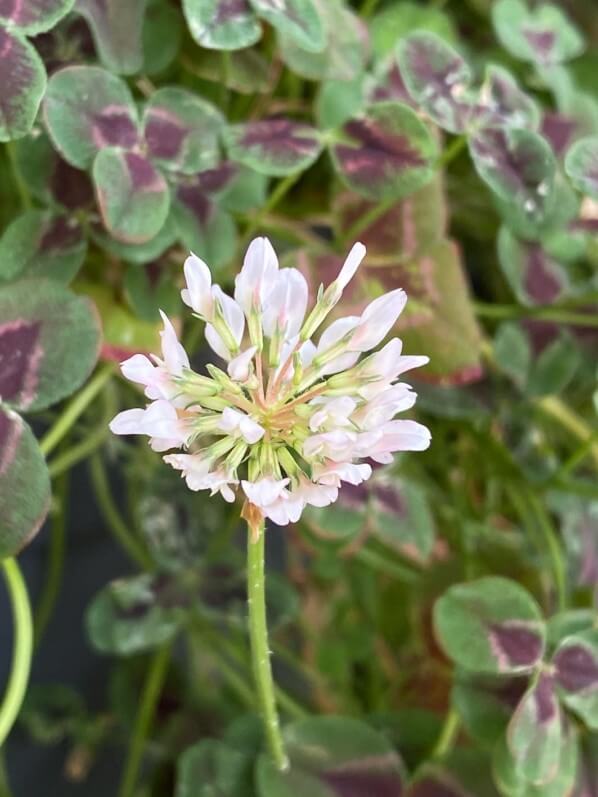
(291, 418)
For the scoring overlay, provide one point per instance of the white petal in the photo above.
(256, 278)
(230, 420)
(377, 320)
(175, 356)
(337, 330)
(233, 314)
(286, 304)
(216, 343)
(198, 293)
(138, 368)
(250, 430)
(350, 265)
(264, 491)
(238, 368)
(128, 422)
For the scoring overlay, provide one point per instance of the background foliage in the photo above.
(435, 632)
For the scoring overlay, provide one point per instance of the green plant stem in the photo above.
(260, 650)
(47, 601)
(150, 695)
(554, 407)
(116, 524)
(75, 408)
(368, 7)
(557, 315)
(22, 647)
(448, 735)
(554, 549)
(281, 190)
(80, 451)
(386, 565)
(4, 785)
(20, 184)
(449, 153)
(576, 458)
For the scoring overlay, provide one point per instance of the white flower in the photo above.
(290, 419)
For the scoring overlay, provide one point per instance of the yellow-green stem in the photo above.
(22, 646)
(260, 649)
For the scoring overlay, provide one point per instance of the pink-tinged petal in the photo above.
(335, 332)
(350, 266)
(198, 293)
(175, 356)
(384, 406)
(377, 320)
(264, 491)
(332, 412)
(341, 363)
(139, 368)
(332, 473)
(256, 278)
(227, 493)
(161, 420)
(161, 444)
(285, 306)
(194, 468)
(251, 431)
(381, 365)
(238, 368)
(286, 509)
(128, 422)
(230, 420)
(402, 436)
(319, 495)
(338, 445)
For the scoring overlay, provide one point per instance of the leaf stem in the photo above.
(557, 315)
(20, 184)
(553, 406)
(283, 187)
(448, 735)
(115, 522)
(75, 407)
(22, 646)
(554, 549)
(149, 699)
(260, 650)
(449, 153)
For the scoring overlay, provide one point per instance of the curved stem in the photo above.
(283, 187)
(553, 406)
(22, 647)
(448, 735)
(75, 407)
(147, 708)
(554, 550)
(559, 315)
(260, 650)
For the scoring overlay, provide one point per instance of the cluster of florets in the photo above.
(290, 419)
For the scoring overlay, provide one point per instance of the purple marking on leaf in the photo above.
(62, 233)
(542, 41)
(142, 174)
(17, 77)
(545, 699)
(558, 130)
(389, 499)
(576, 668)
(20, 354)
(514, 644)
(10, 433)
(431, 787)
(392, 87)
(541, 283)
(196, 201)
(214, 180)
(351, 782)
(378, 153)
(279, 137)
(113, 127)
(71, 187)
(21, 12)
(164, 134)
(353, 496)
(229, 9)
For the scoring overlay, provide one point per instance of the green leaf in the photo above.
(386, 153)
(400, 515)
(246, 191)
(137, 614)
(181, 131)
(517, 165)
(485, 705)
(491, 625)
(534, 733)
(297, 19)
(213, 769)
(512, 352)
(86, 109)
(138, 253)
(151, 289)
(581, 164)
(117, 32)
(534, 276)
(338, 101)
(276, 147)
(161, 37)
(554, 369)
(344, 56)
(333, 757)
(399, 19)
(49, 343)
(133, 196)
(437, 78)
(543, 35)
(23, 85)
(576, 672)
(507, 104)
(42, 244)
(222, 25)
(245, 71)
(24, 482)
(34, 16)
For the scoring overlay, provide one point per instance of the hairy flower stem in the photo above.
(260, 650)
